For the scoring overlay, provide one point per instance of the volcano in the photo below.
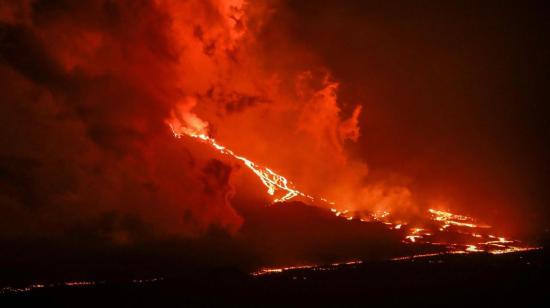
(226, 152)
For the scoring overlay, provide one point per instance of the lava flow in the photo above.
(475, 239)
(273, 181)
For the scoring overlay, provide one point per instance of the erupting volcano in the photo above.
(271, 145)
(474, 237)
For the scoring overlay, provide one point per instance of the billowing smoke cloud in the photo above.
(90, 86)
(86, 89)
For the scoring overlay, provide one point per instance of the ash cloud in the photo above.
(88, 87)
(91, 85)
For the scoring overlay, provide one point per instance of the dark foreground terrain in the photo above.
(452, 280)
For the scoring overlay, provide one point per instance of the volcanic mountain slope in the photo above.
(272, 237)
(290, 233)
(315, 235)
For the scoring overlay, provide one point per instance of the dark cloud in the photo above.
(23, 50)
(83, 138)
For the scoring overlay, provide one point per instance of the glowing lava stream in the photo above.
(464, 224)
(273, 181)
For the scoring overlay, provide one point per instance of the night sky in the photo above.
(454, 95)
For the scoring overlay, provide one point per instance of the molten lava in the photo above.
(450, 219)
(274, 182)
(476, 240)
